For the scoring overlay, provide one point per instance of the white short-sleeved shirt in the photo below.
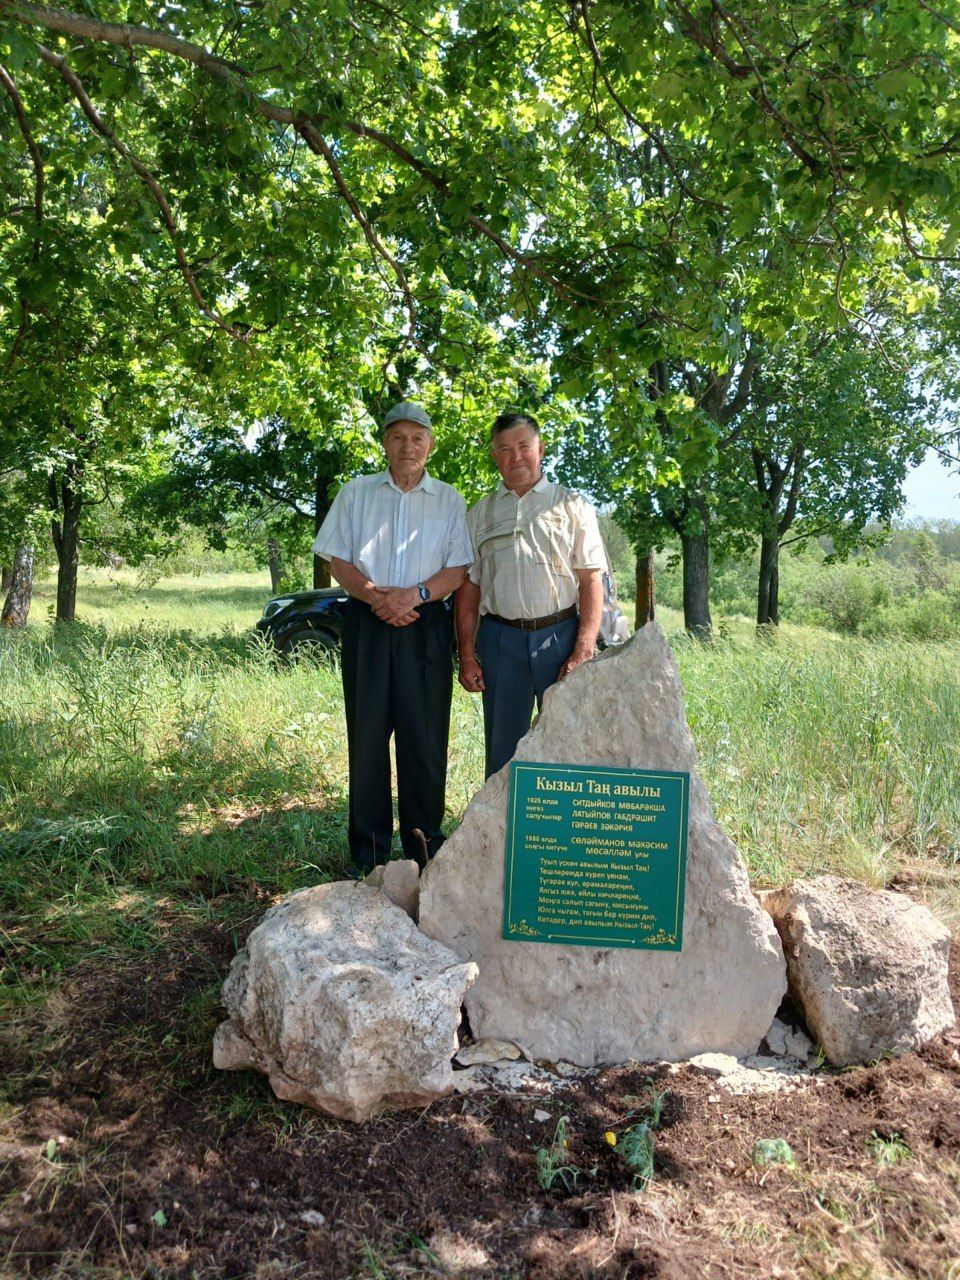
(526, 551)
(397, 539)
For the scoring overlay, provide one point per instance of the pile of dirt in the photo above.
(125, 1154)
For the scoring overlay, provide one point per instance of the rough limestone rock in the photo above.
(785, 1041)
(593, 1005)
(483, 1052)
(343, 1003)
(868, 967)
(400, 881)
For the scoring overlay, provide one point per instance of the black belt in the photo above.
(535, 624)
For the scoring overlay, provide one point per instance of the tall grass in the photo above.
(153, 758)
(830, 754)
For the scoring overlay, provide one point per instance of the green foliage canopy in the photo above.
(606, 206)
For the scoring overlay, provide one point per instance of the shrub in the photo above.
(845, 596)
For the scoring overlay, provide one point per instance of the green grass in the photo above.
(826, 753)
(888, 1151)
(152, 757)
(216, 604)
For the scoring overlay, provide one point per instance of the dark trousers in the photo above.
(399, 681)
(518, 668)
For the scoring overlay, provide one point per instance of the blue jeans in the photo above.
(518, 668)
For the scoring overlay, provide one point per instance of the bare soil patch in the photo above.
(162, 1167)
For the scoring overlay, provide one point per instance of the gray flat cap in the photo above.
(407, 411)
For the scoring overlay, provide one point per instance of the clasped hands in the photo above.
(395, 605)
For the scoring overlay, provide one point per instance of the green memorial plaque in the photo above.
(595, 857)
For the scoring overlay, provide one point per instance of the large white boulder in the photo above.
(343, 1003)
(587, 1004)
(868, 967)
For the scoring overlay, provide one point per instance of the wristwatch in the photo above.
(424, 592)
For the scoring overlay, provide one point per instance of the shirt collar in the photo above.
(426, 483)
(542, 483)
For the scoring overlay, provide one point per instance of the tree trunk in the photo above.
(16, 607)
(276, 567)
(321, 505)
(67, 504)
(321, 573)
(696, 583)
(768, 604)
(645, 594)
(6, 577)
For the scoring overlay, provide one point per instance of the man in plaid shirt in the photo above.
(529, 610)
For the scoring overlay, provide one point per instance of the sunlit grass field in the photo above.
(216, 604)
(153, 758)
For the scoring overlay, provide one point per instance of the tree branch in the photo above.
(809, 533)
(54, 507)
(318, 144)
(851, 316)
(128, 35)
(796, 462)
(24, 124)
(733, 408)
(36, 158)
(911, 247)
(713, 45)
(62, 68)
(758, 462)
(261, 487)
(941, 17)
(654, 135)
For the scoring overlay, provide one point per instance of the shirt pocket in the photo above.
(550, 539)
(496, 542)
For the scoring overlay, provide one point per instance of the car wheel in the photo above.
(310, 645)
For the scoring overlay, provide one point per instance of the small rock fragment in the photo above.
(776, 1037)
(400, 881)
(312, 1218)
(468, 1081)
(799, 1046)
(484, 1051)
(568, 1069)
(540, 1115)
(715, 1064)
(763, 1062)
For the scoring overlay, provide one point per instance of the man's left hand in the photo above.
(579, 656)
(396, 603)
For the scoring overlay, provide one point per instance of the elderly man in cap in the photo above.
(535, 588)
(398, 543)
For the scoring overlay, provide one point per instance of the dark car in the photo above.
(305, 622)
(311, 622)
